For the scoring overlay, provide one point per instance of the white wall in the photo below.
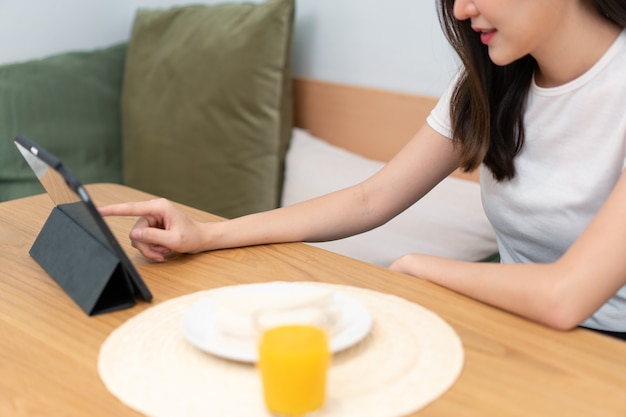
(390, 44)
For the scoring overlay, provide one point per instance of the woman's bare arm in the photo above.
(419, 166)
(561, 294)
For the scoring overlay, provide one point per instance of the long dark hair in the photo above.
(488, 102)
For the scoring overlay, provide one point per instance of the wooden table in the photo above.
(49, 347)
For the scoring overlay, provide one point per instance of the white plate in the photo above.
(199, 328)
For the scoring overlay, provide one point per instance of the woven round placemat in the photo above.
(410, 358)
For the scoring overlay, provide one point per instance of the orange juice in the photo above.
(293, 361)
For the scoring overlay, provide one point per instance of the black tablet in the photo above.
(69, 196)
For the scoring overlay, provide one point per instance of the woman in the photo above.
(539, 105)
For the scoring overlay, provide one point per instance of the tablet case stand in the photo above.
(84, 267)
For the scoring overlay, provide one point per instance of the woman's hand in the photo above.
(161, 228)
(407, 264)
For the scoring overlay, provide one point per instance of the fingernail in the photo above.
(135, 234)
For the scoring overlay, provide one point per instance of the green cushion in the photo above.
(494, 257)
(70, 104)
(206, 104)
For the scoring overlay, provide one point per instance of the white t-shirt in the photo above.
(573, 155)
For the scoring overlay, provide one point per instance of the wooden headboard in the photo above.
(369, 122)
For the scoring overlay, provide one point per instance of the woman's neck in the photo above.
(575, 48)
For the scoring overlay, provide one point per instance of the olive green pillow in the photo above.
(206, 104)
(70, 104)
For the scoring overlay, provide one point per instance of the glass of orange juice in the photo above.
(293, 361)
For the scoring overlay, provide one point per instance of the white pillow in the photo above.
(449, 221)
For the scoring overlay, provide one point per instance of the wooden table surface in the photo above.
(49, 347)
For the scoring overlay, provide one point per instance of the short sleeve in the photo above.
(439, 117)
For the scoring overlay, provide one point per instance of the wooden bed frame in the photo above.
(369, 122)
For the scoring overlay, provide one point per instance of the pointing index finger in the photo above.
(139, 208)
